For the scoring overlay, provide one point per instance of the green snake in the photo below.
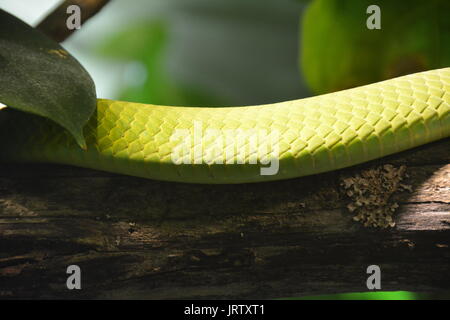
(244, 144)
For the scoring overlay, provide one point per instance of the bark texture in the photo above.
(143, 239)
(55, 24)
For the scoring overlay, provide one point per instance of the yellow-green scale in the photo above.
(312, 135)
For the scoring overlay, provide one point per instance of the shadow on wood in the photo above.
(136, 238)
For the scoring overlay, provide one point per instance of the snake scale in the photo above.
(235, 144)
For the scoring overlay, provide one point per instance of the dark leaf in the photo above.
(39, 76)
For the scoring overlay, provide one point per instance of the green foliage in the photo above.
(147, 44)
(376, 295)
(339, 51)
(38, 76)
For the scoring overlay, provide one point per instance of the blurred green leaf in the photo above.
(215, 53)
(339, 51)
(38, 76)
(141, 41)
(145, 46)
(377, 295)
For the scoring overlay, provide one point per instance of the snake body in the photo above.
(305, 136)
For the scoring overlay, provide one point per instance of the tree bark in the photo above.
(137, 238)
(55, 24)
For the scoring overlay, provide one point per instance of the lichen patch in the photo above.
(370, 192)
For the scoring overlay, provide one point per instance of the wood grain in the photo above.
(144, 239)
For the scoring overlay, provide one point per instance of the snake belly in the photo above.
(235, 144)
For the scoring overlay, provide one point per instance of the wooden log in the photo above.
(137, 238)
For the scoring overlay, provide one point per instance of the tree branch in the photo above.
(143, 239)
(54, 25)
